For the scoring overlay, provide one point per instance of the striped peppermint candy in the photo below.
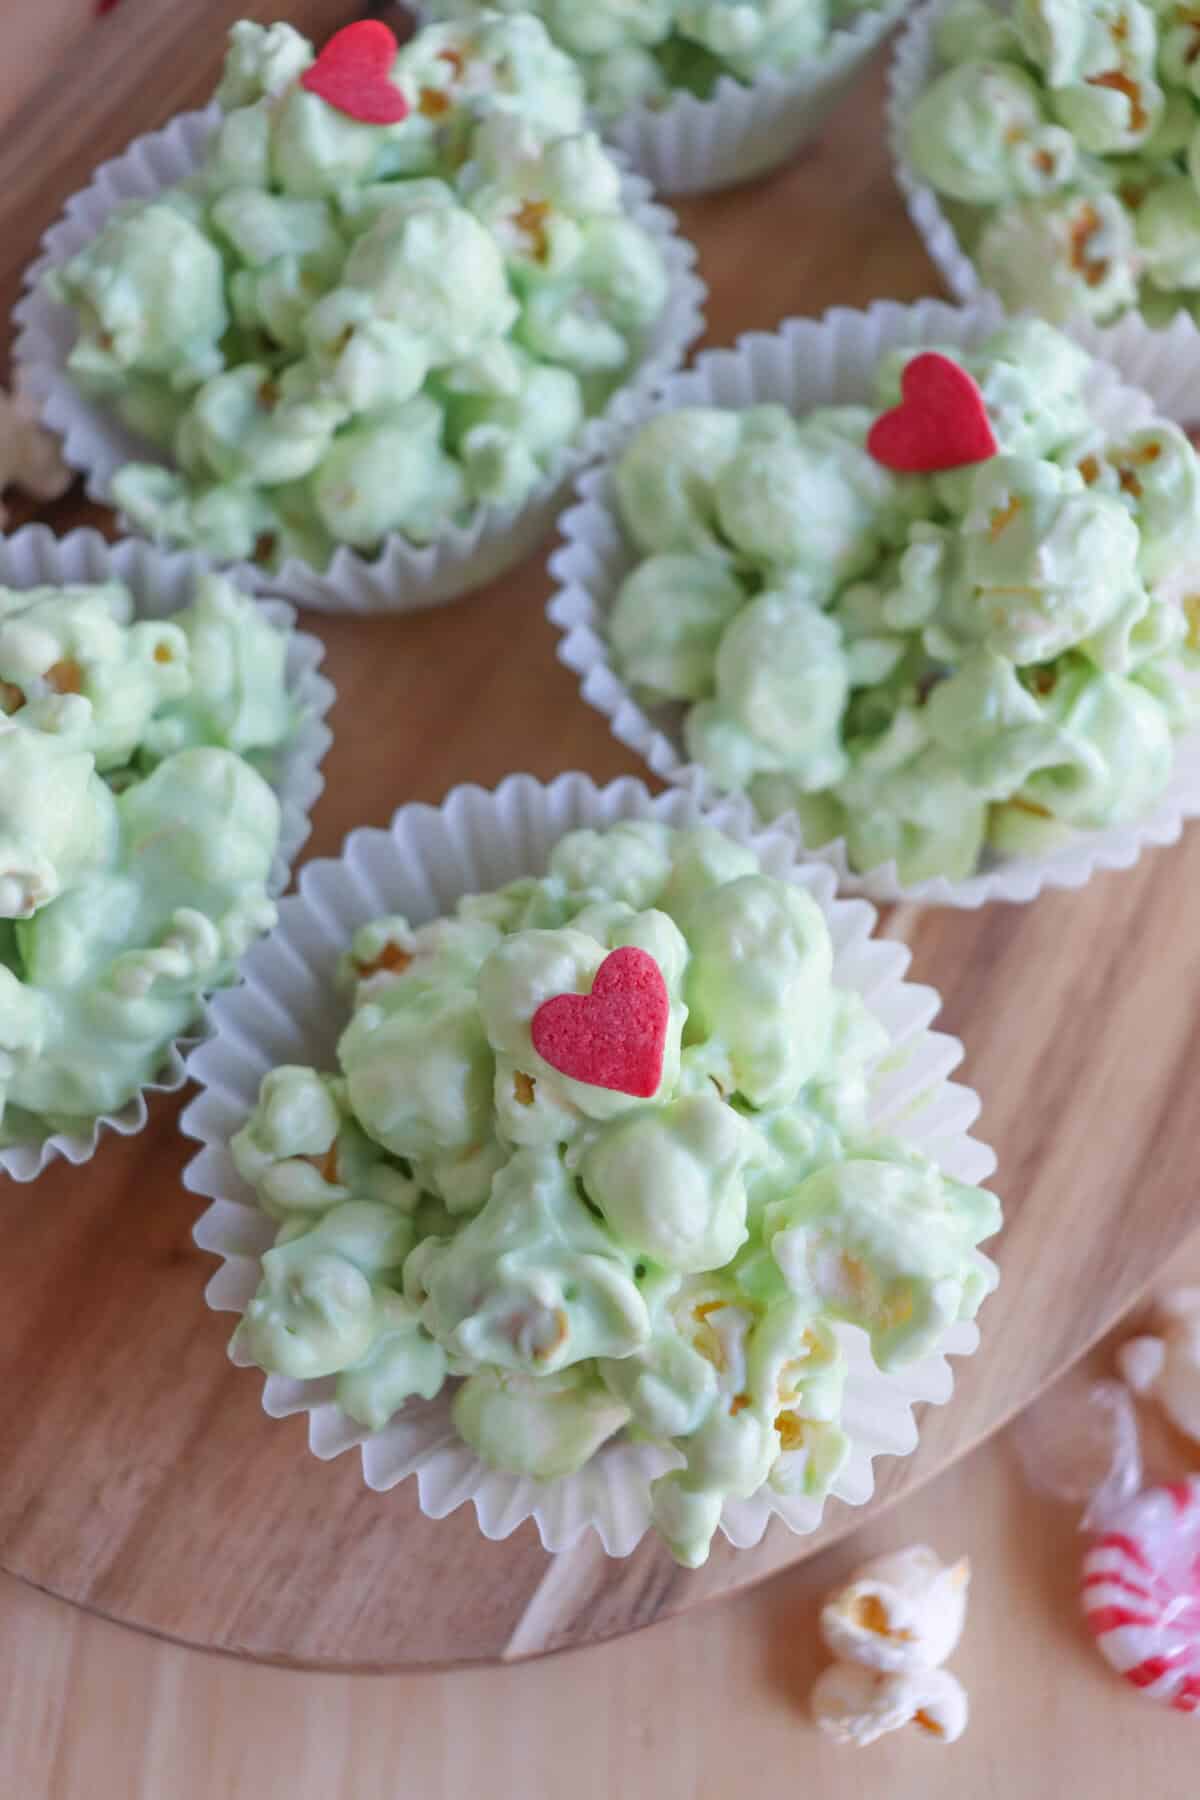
(1141, 1593)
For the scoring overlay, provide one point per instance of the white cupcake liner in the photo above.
(831, 360)
(288, 1010)
(162, 583)
(915, 63)
(402, 577)
(694, 146)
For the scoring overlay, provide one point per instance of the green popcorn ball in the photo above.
(262, 60)
(888, 1246)
(545, 1427)
(390, 473)
(533, 1283)
(1063, 255)
(591, 1263)
(1168, 233)
(124, 955)
(670, 1182)
(57, 818)
(132, 899)
(1047, 562)
(419, 1072)
(760, 979)
(320, 1306)
(781, 674)
(668, 621)
(318, 274)
(403, 1361)
(979, 133)
(148, 294)
(665, 479)
(72, 661)
(1114, 750)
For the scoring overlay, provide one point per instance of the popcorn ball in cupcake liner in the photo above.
(703, 96)
(358, 363)
(161, 735)
(956, 685)
(1049, 155)
(582, 1154)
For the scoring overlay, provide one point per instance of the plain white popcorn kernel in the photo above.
(855, 1705)
(900, 1612)
(1166, 1367)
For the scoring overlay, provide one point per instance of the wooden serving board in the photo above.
(139, 1476)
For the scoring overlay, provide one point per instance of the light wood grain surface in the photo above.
(138, 1474)
(706, 1707)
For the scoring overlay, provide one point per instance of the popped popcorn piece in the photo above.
(1166, 1366)
(900, 1612)
(29, 457)
(856, 1705)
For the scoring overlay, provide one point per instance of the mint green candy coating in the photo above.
(647, 51)
(135, 840)
(877, 652)
(1063, 135)
(335, 331)
(587, 1262)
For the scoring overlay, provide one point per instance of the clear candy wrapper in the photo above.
(1140, 1575)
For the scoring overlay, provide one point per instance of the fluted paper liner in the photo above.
(831, 360)
(402, 576)
(162, 583)
(288, 1009)
(915, 63)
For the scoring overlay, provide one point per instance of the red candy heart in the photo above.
(941, 422)
(352, 72)
(614, 1036)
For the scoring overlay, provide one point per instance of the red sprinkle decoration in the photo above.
(940, 423)
(352, 72)
(613, 1037)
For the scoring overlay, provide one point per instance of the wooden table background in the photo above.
(696, 1706)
